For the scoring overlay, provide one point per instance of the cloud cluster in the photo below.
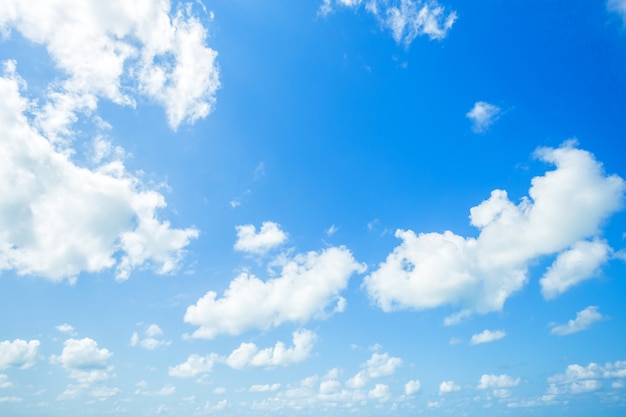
(84, 361)
(18, 353)
(307, 285)
(194, 365)
(482, 116)
(248, 354)
(565, 207)
(152, 340)
(579, 379)
(379, 365)
(497, 381)
(58, 219)
(405, 19)
(447, 387)
(584, 319)
(116, 49)
(268, 237)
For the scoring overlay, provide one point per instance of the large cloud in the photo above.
(405, 19)
(58, 219)
(307, 285)
(565, 206)
(115, 48)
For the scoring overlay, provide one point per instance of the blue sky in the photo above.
(325, 207)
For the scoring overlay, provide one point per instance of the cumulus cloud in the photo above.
(84, 361)
(581, 262)
(565, 206)
(379, 392)
(405, 19)
(412, 387)
(448, 386)
(116, 49)
(58, 219)
(194, 365)
(483, 115)
(18, 353)
(378, 365)
(579, 379)
(65, 328)
(584, 319)
(497, 381)
(487, 336)
(248, 354)
(152, 340)
(268, 237)
(307, 285)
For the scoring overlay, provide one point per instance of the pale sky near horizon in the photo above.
(312, 208)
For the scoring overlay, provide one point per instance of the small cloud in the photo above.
(331, 230)
(455, 341)
(248, 354)
(152, 340)
(264, 388)
(482, 116)
(497, 381)
(448, 386)
(268, 237)
(584, 319)
(412, 387)
(65, 328)
(487, 336)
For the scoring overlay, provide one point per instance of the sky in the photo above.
(312, 208)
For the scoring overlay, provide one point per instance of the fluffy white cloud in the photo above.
(573, 266)
(378, 365)
(152, 340)
(84, 362)
(564, 206)
(405, 19)
(58, 219)
(584, 319)
(579, 379)
(65, 328)
(379, 392)
(248, 354)
(308, 284)
(412, 387)
(268, 237)
(448, 386)
(194, 365)
(487, 336)
(497, 381)
(482, 116)
(4, 381)
(117, 48)
(18, 353)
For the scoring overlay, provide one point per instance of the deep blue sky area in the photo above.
(312, 208)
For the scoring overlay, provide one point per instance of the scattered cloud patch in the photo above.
(142, 388)
(65, 328)
(487, 336)
(579, 379)
(248, 354)
(331, 230)
(264, 388)
(579, 263)
(497, 381)
(268, 237)
(84, 361)
(152, 340)
(405, 19)
(307, 285)
(448, 386)
(483, 115)
(618, 6)
(4, 382)
(565, 206)
(194, 365)
(377, 366)
(584, 319)
(18, 353)
(412, 387)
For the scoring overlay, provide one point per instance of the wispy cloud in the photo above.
(584, 319)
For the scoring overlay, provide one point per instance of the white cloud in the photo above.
(379, 392)
(269, 236)
(248, 354)
(4, 381)
(487, 336)
(103, 393)
(12, 399)
(194, 365)
(308, 284)
(116, 48)
(152, 340)
(378, 365)
(483, 115)
(618, 6)
(18, 353)
(564, 206)
(142, 389)
(573, 266)
(58, 219)
(584, 319)
(84, 362)
(579, 379)
(405, 19)
(331, 230)
(264, 388)
(497, 381)
(412, 387)
(448, 386)
(65, 328)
